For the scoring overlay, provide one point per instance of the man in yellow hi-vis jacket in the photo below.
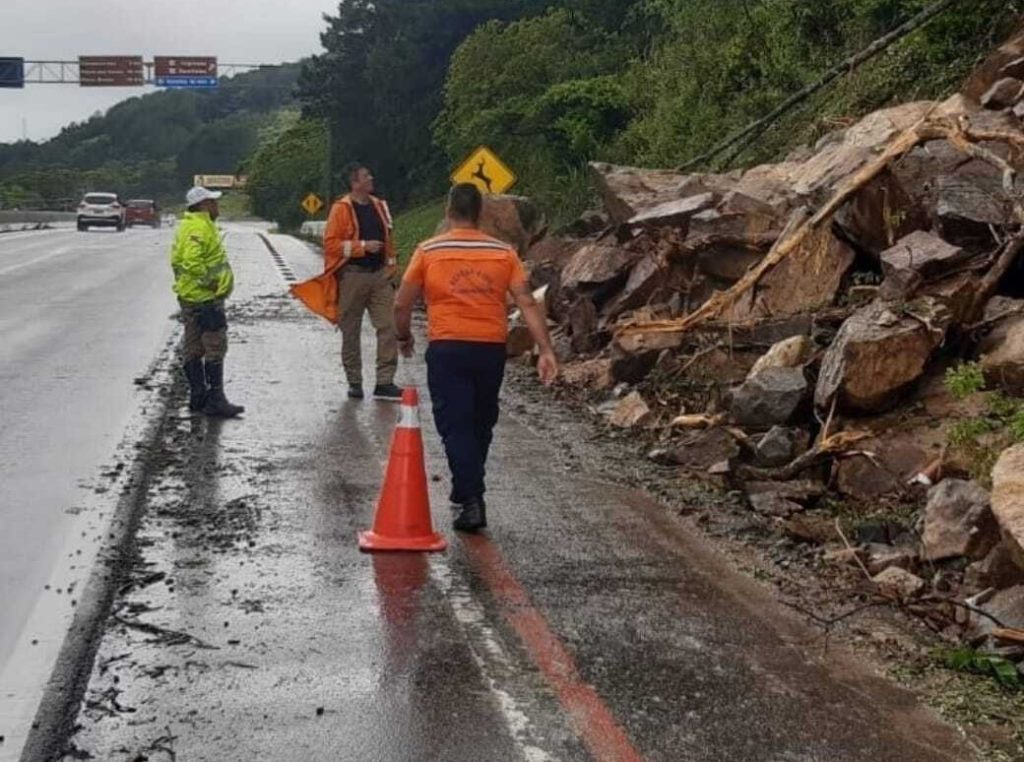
(202, 281)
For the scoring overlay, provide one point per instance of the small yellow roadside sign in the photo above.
(312, 204)
(484, 169)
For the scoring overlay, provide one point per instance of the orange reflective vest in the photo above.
(342, 244)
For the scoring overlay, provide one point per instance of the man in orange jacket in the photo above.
(359, 251)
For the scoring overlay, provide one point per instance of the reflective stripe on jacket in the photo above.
(200, 261)
(343, 244)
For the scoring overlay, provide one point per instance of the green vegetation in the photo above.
(974, 662)
(416, 225)
(964, 380)
(979, 440)
(148, 146)
(289, 164)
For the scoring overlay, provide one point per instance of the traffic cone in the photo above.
(403, 510)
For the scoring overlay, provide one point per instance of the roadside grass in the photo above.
(416, 225)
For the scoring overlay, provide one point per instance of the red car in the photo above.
(142, 211)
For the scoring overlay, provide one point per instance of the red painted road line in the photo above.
(594, 722)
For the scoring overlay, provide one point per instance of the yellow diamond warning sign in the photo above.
(312, 204)
(484, 169)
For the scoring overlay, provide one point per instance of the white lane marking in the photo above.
(55, 253)
(4, 237)
(473, 620)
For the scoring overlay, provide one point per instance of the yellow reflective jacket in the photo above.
(200, 261)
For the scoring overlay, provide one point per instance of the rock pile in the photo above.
(785, 329)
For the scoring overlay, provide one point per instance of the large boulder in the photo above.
(627, 191)
(810, 278)
(958, 521)
(1002, 355)
(676, 213)
(841, 154)
(997, 570)
(897, 458)
(881, 212)
(770, 398)
(997, 64)
(643, 282)
(879, 354)
(1008, 500)
(919, 257)
(701, 450)
(1003, 94)
(967, 208)
(596, 264)
(513, 219)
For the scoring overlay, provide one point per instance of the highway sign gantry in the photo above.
(484, 169)
(312, 203)
(111, 71)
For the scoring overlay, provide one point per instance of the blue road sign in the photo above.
(12, 72)
(185, 83)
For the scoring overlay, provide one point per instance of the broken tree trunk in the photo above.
(958, 135)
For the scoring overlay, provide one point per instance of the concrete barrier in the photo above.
(313, 229)
(15, 217)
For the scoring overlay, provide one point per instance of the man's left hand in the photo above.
(547, 367)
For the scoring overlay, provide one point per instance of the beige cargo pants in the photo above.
(372, 292)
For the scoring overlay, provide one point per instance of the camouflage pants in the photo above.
(206, 331)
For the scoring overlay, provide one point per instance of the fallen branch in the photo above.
(833, 445)
(750, 133)
(990, 282)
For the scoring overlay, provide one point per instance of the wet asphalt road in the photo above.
(587, 623)
(81, 316)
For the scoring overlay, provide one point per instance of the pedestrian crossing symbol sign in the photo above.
(486, 171)
(312, 204)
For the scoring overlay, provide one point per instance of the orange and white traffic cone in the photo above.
(403, 511)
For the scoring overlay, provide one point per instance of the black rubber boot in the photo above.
(196, 384)
(472, 516)
(217, 405)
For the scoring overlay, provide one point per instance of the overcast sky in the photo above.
(236, 31)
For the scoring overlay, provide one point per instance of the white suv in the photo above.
(101, 209)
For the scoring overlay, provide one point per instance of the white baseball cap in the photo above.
(199, 194)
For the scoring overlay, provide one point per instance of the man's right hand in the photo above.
(373, 247)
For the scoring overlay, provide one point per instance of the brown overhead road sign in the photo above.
(111, 71)
(184, 66)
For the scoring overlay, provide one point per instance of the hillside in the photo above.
(149, 145)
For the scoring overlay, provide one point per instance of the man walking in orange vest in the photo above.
(464, 276)
(360, 251)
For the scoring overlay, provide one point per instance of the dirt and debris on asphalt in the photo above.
(590, 621)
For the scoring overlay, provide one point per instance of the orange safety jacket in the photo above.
(342, 244)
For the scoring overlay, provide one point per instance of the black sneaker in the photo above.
(387, 392)
(471, 516)
(355, 391)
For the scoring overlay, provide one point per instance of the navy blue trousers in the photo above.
(464, 379)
